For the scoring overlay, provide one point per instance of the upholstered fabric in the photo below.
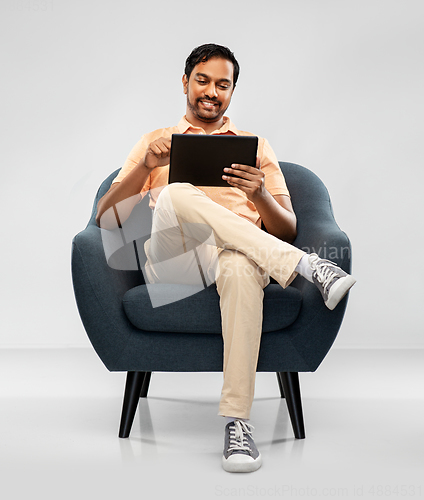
(199, 313)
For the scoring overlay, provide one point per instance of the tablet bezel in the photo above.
(200, 159)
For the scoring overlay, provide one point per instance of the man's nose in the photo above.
(210, 90)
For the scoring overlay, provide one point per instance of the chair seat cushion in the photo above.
(198, 311)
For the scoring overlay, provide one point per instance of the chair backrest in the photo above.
(310, 197)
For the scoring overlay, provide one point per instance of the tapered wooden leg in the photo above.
(145, 386)
(129, 407)
(291, 387)
(280, 384)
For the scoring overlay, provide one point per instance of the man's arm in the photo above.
(125, 192)
(276, 212)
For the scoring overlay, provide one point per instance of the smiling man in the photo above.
(239, 256)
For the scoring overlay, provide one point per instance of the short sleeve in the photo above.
(132, 161)
(274, 178)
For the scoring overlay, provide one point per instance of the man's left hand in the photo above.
(249, 179)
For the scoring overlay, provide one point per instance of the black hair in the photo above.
(205, 52)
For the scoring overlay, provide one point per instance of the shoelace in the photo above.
(324, 273)
(238, 436)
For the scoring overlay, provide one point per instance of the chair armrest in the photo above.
(316, 327)
(98, 291)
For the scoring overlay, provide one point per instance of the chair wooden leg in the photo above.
(291, 387)
(145, 386)
(129, 407)
(280, 385)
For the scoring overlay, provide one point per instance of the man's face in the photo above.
(209, 90)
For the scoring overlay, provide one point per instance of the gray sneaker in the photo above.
(332, 282)
(240, 452)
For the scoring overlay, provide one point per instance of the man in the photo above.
(235, 252)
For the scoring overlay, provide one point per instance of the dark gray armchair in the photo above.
(130, 335)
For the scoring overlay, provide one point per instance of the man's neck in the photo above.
(209, 128)
(206, 126)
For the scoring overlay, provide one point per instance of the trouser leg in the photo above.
(240, 285)
(197, 218)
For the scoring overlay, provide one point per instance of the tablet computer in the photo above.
(200, 159)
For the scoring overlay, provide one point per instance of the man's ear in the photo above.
(185, 83)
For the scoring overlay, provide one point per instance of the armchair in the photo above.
(130, 335)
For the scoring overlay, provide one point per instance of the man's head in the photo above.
(210, 76)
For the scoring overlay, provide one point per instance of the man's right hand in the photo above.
(158, 153)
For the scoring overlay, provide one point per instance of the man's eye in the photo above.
(224, 87)
(202, 82)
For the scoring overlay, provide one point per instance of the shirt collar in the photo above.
(185, 126)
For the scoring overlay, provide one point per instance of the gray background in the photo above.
(334, 85)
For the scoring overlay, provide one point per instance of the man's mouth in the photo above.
(208, 104)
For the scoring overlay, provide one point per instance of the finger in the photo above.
(166, 143)
(164, 149)
(241, 170)
(237, 181)
(239, 173)
(156, 150)
(251, 174)
(239, 166)
(247, 168)
(159, 149)
(230, 181)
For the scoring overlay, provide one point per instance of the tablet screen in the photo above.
(200, 159)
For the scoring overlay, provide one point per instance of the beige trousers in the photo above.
(196, 241)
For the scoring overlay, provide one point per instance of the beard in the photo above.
(205, 115)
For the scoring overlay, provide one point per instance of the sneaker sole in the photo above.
(339, 290)
(235, 465)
